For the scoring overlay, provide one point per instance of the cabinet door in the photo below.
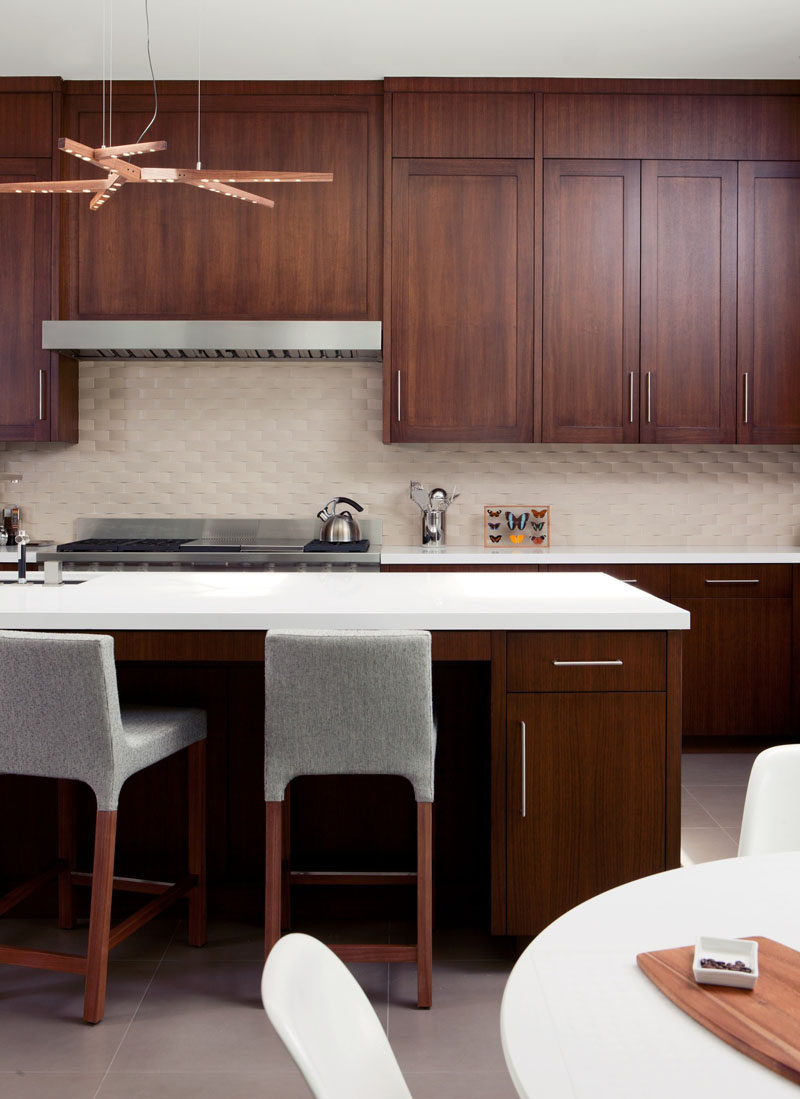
(590, 354)
(688, 348)
(737, 670)
(461, 360)
(182, 252)
(25, 296)
(769, 290)
(587, 811)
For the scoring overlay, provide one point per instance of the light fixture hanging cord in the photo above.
(199, 164)
(110, 68)
(103, 55)
(152, 74)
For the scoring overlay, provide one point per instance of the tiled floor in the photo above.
(186, 1023)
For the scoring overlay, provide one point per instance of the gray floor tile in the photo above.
(723, 803)
(462, 1031)
(54, 1085)
(706, 845)
(716, 768)
(693, 815)
(41, 1026)
(461, 1085)
(202, 1085)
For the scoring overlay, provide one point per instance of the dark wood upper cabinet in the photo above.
(180, 252)
(26, 122)
(590, 322)
(38, 392)
(462, 124)
(768, 388)
(459, 366)
(704, 126)
(688, 302)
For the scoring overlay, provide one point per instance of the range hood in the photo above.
(219, 340)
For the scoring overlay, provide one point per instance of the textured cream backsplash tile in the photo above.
(281, 439)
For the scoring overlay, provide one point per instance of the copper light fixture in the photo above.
(111, 159)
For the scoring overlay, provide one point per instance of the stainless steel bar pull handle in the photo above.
(398, 396)
(649, 394)
(746, 398)
(629, 581)
(587, 663)
(732, 581)
(523, 732)
(41, 394)
(630, 398)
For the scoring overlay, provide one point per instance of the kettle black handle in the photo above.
(347, 500)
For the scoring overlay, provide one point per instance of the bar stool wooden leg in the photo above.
(424, 904)
(197, 841)
(66, 852)
(100, 916)
(272, 897)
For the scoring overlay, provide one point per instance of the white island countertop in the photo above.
(121, 600)
(592, 555)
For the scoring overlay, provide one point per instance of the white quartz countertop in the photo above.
(577, 555)
(349, 600)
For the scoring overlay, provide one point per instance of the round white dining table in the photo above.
(580, 1019)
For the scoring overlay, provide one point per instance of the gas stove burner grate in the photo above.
(123, 545)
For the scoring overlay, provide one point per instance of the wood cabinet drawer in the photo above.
(611, 660)
(650, 578)
(730, 581)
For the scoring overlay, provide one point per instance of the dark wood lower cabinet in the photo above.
(586, 812)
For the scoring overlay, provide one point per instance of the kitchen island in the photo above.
(560, 701)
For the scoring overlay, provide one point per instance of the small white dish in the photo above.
(726, 950)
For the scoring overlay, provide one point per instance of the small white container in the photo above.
(726, 950)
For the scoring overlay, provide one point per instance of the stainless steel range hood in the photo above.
(219, 340)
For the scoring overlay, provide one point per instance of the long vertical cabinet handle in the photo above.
(41, 394)
(398, 396)
(523, 732)
(649, 390)
(630, 398)
(746, 398)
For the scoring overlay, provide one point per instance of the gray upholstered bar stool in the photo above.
(60, 717)
(350, 702)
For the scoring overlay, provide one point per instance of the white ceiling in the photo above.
(369, 39)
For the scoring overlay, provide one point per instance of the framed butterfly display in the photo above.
(516, 526)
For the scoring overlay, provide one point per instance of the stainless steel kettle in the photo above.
(342, 527)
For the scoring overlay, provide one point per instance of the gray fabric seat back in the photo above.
(59, 708)
(348, 702)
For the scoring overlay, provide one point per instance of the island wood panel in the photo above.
(688, 302)
(316, 254)
(590, 326)
(672, 126)
(594, 799)
(461, 361)
(462, 124)
(654, 579)
(25, 240)
(769, 289)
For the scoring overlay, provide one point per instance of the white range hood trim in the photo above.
(190, 339)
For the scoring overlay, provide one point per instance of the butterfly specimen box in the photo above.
(516, 526)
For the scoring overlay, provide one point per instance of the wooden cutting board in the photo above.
(763, 1022)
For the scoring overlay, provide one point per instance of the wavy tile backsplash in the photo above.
(267, 440)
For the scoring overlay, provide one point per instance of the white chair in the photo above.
(327, 1023)
(771, 819)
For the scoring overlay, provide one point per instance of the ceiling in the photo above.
(369, 39)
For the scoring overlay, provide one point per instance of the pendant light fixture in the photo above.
(119, 171)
